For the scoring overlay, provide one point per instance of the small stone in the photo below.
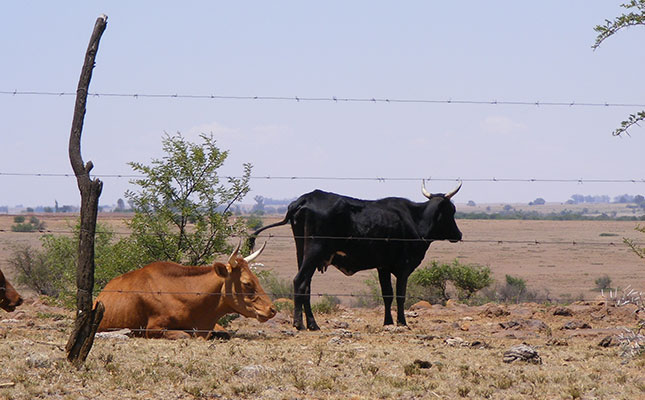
(421, 305)
(562, 311)
(576, 325)
(522, 352)
(253, 371)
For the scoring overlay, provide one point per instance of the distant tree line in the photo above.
(621, 199)
(566, 215)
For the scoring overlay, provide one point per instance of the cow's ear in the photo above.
(221, 269)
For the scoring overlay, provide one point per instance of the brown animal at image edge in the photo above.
(9, 297)
(172, 301)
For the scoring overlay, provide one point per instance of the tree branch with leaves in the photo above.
(635, 17)
(182, 211)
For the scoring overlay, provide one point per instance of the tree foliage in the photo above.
(182, 210)
(636, 16)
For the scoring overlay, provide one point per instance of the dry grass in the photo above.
(360, 360)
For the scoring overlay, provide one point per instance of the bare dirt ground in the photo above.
(448, 352)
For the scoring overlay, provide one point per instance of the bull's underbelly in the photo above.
(346, 264)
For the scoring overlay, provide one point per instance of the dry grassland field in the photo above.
(447, 352)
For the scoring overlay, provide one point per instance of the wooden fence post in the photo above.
(87, 319)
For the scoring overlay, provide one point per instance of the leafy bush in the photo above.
(514, 290)
(52, 270)
(469, 279)
(326, 305)
(603, 283)
(436, 276)
(433, 281)
(33, 225)
(33, 270)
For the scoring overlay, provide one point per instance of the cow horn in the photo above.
(232, 260)
(454, 192)
(255, 255)
(424, 191)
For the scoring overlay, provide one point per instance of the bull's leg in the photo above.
(386, 291)
(311, 322)
(158, 328)
(302, 297)
(401, 284)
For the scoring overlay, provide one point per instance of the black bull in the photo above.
(391, 235)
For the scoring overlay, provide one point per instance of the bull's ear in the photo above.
(221, 269)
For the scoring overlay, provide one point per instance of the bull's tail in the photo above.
(293, 207)
(251, 240)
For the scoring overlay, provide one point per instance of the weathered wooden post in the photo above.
(87, 319)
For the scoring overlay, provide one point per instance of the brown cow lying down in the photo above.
(172, 301)
(9, 297)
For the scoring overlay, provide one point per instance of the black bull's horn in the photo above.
(447, 195)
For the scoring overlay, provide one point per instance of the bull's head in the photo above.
(9, 297)
(441, 215)
(244, 294)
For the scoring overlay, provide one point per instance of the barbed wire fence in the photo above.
(332, 99)
(336, 99)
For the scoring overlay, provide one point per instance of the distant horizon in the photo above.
(285, 201)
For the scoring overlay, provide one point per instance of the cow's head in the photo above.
(244, 294)
(440, 215)
(9, 297)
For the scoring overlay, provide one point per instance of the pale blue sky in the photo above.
(436, 50)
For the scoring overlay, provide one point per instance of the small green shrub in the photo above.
(33, 225)
(326, 305)
(436, 276)
(52, 270)
(431, 283)
(515, 290)
(603, 282)
(469, 279)
(227, 319)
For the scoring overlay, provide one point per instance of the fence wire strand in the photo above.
(535, 242)
(352, 178)
(330, 99)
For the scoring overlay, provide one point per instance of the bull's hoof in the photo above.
(300, 326)
(313, 327)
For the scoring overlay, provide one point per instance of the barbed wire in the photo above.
(536, 242)
(354, 178)
(331, 99)
(291, 295)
